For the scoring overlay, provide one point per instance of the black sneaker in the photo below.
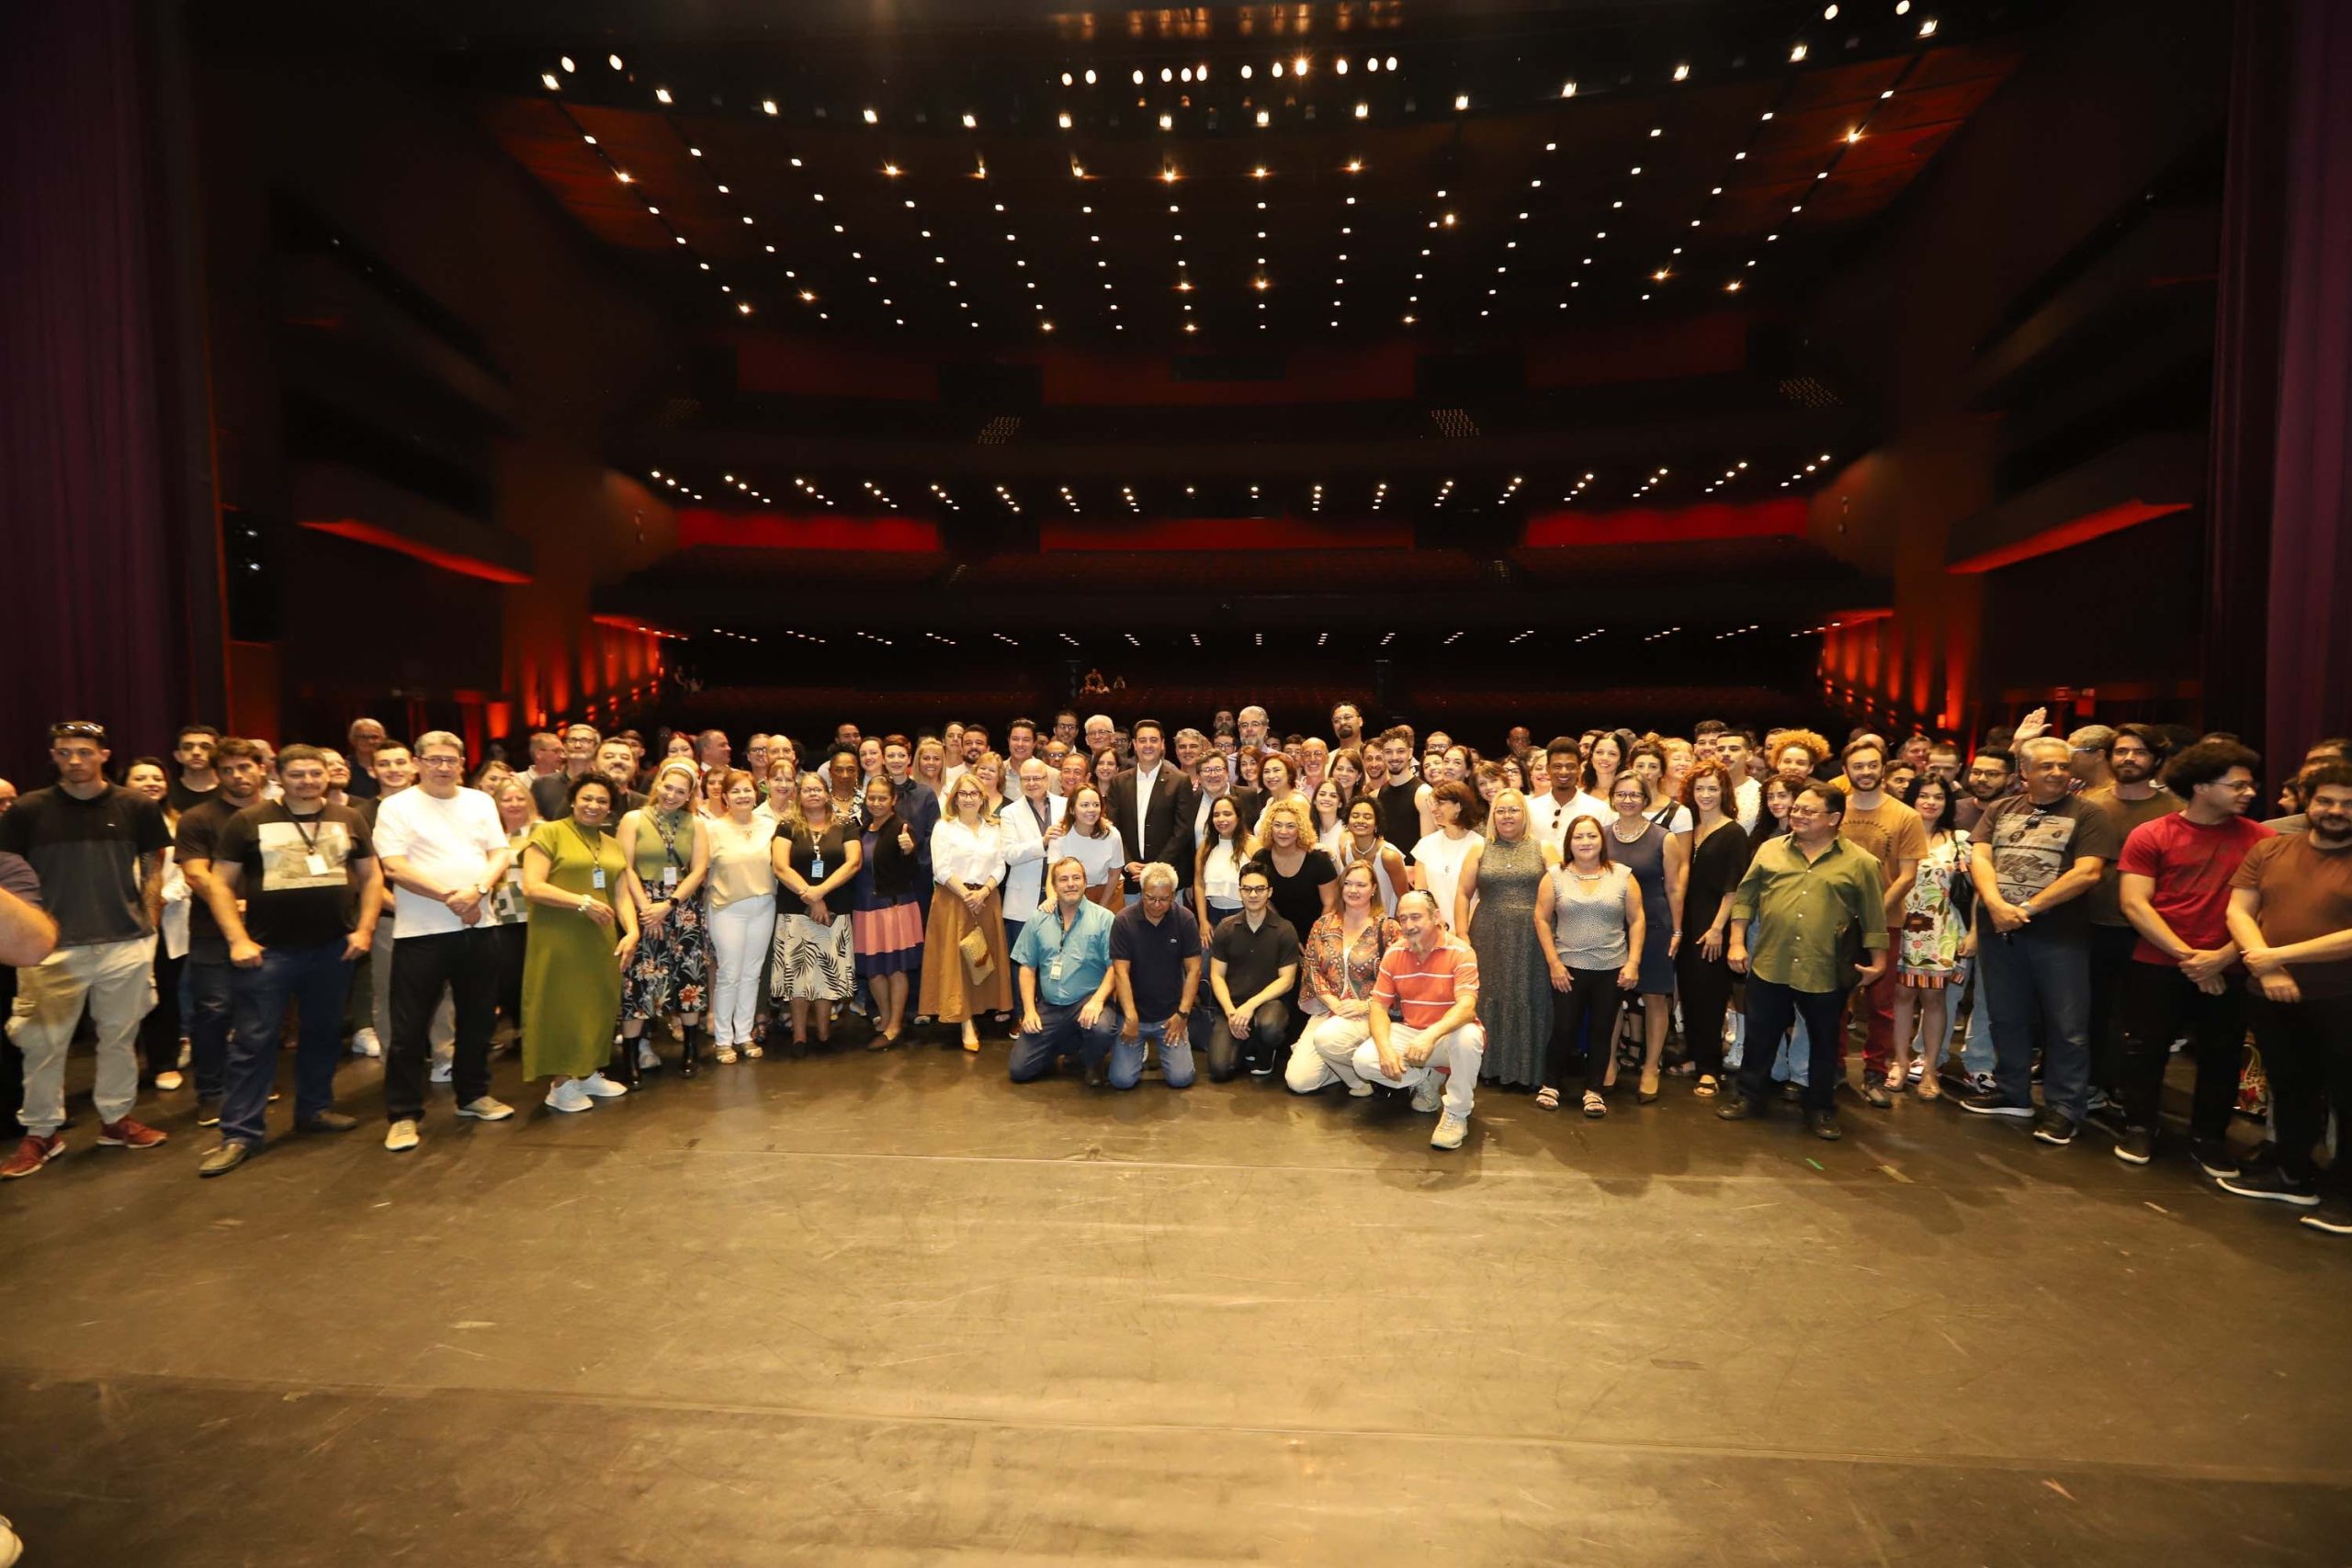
(2107, 1117)
(2335, 1217)
(2275, 1184)
(2213, 1157)
(1991, 1102)
(1824, 1125)
(2053, 1127)
(1792, 1092)
(1738, 1108)
(2136, 1147)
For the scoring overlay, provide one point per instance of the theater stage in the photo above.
(880, 1310)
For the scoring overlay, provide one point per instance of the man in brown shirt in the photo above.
(1897, 838)
(2290, 914)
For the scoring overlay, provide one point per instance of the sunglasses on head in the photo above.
(77, 729)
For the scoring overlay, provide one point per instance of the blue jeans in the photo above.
(1060, 1035)
(207, 998)
(2040, 991)
(1175, 1056)
(1770, 1009)
(316, 978)
(1976, 1049)
(1793, 1063)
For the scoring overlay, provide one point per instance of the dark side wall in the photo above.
(384, 153)
(2114, 93)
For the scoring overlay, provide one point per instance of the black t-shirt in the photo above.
(86, 853)
(181, 799)
(1155, 955)
(1298, 898)
(809, 850)
(1252, 959)
(1400, 819)
(295, 872)
(199, 838)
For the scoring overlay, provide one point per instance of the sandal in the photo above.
(1706, 1089)
(971, 1038)
(726, 1057)
(1649, 1086)
(755, 1051)
(1895, 1082)
(1928, 1088)
(1595, 1108)
(1547, 1099)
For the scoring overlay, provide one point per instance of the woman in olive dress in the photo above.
(583, 932)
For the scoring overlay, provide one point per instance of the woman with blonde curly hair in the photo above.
(1305, 880)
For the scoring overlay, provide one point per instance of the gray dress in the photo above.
(1514, 985)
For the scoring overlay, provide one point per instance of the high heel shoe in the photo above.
(971, 1036)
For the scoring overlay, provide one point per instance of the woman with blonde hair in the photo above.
(1495, 892)
(742, 913)
(1306, 881)
(967, 866)
(507, 909)
(667, 848)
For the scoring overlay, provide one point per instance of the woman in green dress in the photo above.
(572, 970)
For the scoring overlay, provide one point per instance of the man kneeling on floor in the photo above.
(1064, 959)
(1430, 979)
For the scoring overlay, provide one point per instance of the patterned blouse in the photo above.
(1350, 971)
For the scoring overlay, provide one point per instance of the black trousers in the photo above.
(2307, 1051)
(467, 962)
(1773, 1009)
(159, 1032)
(1706, 997)
(2156, 1000)
(2111, 967)
(1591, 1003)
(1269, 1030)
(511, 941)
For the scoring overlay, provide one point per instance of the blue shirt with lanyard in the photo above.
(1070, 962)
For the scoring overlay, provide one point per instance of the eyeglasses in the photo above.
(1255, 892)
(442, 762)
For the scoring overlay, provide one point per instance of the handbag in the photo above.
(978, 967)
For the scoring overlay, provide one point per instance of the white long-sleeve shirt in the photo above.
(960, 855)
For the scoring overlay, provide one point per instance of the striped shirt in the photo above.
(1422, 985)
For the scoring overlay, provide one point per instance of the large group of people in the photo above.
(2030, 929)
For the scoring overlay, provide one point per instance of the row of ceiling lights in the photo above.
(1315, 495)
(1258, 281)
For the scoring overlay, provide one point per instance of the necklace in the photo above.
(1618, 828)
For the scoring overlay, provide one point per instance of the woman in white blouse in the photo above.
(1437, 859)
(967, 864)
(1328, 817)
(1086, 833)
(1361, 843)
(741, 896)
(1226, 846)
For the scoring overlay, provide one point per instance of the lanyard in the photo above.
(667, 826)
(310, 839)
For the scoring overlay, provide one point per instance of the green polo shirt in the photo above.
(1803, 918)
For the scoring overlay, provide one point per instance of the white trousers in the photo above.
(1456, 1057)
(118, 979)
(740, 936)
(1325, 1054)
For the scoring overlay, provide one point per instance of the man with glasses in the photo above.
(442, 850)
(1991, 777)
(1254, 965)
(1808, 922)
(1156, 962)
(2035, 856)
(366, 736)
(98, 851)
(553, 796)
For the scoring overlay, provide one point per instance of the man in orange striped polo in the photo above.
(1430, 981)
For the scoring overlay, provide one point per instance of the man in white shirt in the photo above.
(1732, 749)
(1548, 816)
(442, 850)
(1025, 821)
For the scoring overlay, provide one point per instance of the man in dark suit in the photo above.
(1143, 806)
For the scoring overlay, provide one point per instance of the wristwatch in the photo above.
(2026, 905)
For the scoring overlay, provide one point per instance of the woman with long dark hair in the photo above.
(1590, 918)
(1716, 853)
(1934, 940)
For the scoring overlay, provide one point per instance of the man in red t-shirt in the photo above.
(2175, 890)
(1430, 979)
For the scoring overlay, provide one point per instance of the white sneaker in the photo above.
(401, 1137)
(1450, 1131)
(364, 1043)
(569, 1096)
(600, 1086)
(648, 1060)
(169, 1081)
(486, 1108)
(443, 1070)
(1430, 1093)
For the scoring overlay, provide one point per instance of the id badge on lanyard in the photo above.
(596, 879)
(669, 879)
(315, 863)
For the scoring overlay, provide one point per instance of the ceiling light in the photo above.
(549, 77)
(1089, 78)
(1066, 79)
(1927, 28)
(1796, 54)
(1341, 65)
(768, 105)
(1363, 111)
(1567, 90)
(1063, 119)
(1262, 117)
(1299, 66)
(568, 66)
(661, 94)
(1461, 101)
(872, 119)
(1682, 72)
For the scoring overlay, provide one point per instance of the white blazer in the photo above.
(1025, 855)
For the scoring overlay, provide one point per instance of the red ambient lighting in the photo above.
(2090, 525)
(447, 560)
(1653, 526)
(773, 531)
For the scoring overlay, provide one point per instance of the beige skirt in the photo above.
(947, 994)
